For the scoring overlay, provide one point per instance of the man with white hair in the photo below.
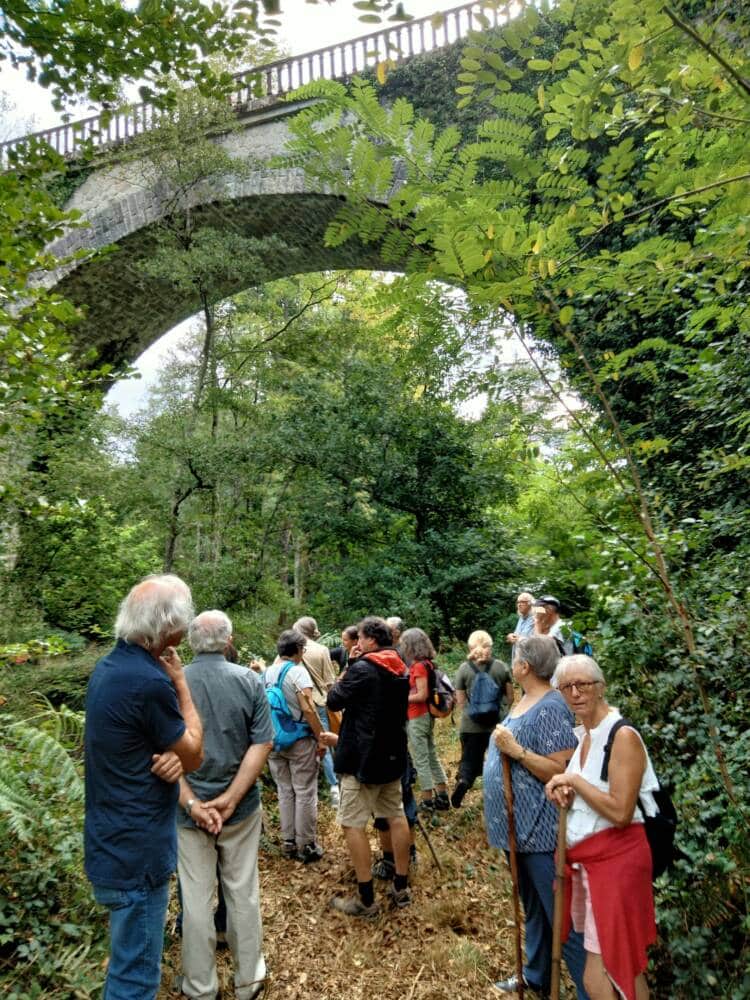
(142, 731)
(220, 816)
(525, 623)
(317, 659)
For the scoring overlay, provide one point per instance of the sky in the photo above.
(305, 28)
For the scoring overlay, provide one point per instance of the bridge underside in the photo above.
(127, 309)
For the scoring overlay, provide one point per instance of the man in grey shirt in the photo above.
(219, 817)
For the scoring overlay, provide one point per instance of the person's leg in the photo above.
(532, 871)
(401, 841)
(358, 844)
(136, 927)
(597, 982)
(196, 862)
(439, 777)
(419, 733)
(304, 776)
(328, 771)
(238, 853)
(279, 767)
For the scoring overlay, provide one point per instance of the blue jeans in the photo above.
(136, 931)
(536, 873)
(328, 771)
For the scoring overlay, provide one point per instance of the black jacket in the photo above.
(373, 694)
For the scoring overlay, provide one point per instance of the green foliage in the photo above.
(49, 938)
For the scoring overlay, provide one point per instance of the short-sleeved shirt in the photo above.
(233, 707)
(418, 669)
(131, 713)
(464, 681)
(297, 679)
(545, 729)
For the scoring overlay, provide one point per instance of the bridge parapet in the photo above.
(265, 86)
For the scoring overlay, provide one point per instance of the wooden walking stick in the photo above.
(557, 917)
(508, 786)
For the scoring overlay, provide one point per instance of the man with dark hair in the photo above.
(371, 757)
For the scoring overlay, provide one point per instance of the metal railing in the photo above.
(261, 86)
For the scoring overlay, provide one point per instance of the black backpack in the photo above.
(660, 829)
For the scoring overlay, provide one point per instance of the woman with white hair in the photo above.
(608, 784)
(475, 732)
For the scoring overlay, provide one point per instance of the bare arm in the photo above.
(510, 694)
(420, 692)
(626, 766)
(189, 747)
(247, 774)
(543, 768)
(460, 698)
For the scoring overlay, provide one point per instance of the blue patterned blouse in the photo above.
(546, 728)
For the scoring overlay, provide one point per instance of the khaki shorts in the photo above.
(359, 802)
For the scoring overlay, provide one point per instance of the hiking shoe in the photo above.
(352, 906)
(400, 897)
(310, 853)
(441, 801)
(458, 794)
(384, 870)
(335, 796)
(426, 806)
(288, 849)
(510, 985)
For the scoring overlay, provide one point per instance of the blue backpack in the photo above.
(484, 700)
(286, 729)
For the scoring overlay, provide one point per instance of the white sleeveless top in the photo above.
(583, 821)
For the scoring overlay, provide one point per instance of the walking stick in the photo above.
(557, 917)
(508, 786)
(422, 830)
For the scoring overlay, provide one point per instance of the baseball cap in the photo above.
(547, 601)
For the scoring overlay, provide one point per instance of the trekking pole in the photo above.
(422, 830)
(557, 917)
(508, 787)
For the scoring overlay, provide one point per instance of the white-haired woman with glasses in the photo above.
(608, 854)
(537, 735)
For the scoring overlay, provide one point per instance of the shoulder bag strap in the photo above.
(608, 747)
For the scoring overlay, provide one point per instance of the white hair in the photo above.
(209, 632)
(578, 661)
(159, 606)
(307, 626)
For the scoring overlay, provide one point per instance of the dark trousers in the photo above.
(473, 748)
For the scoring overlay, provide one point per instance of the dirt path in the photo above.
(452, 943)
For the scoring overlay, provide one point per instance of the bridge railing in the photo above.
(261, 86)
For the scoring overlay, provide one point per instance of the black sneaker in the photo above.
(384, 869)
(441, 801)
(426, 806)
(288, 849)
(310, 853)
(458, 794)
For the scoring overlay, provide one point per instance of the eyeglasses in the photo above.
(581, 686)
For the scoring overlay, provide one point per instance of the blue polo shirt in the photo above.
(131, 713)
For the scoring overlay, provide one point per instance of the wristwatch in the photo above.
(189, 808)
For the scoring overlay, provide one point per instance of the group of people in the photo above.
(173, 756)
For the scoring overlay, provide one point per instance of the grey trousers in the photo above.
(295, 772)
(422, 748)
(236, 849)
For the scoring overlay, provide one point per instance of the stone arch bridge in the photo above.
(126, 310)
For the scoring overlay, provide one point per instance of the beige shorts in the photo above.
(359, 802)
